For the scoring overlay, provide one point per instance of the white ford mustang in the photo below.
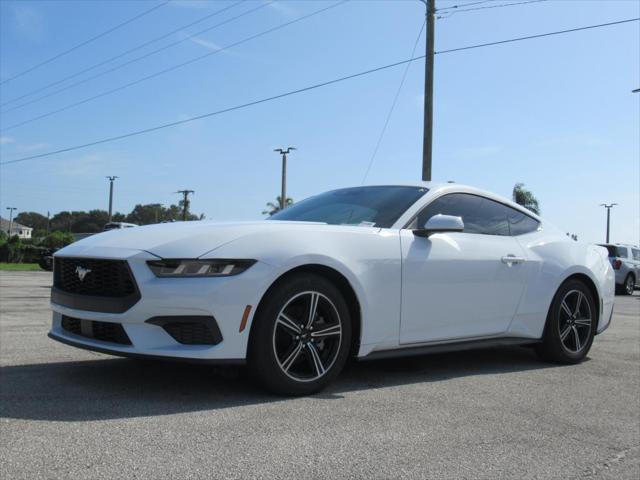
(368, 272)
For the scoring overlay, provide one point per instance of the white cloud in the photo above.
(6, 140)
(280, 7)
(205, 43)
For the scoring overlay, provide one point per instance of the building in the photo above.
(18, 229)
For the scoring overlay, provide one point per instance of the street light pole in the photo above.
(283, 189)
(608, 207)
(11, 209)
(111, 179)
(427, 137)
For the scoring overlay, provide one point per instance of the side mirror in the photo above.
(440, 224)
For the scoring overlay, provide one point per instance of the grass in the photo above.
(24, 267)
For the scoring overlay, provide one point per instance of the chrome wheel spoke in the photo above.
(313, 308)
(576, 312)
(289, 324)
(583, 322)
(293, 356)
(576, 338)
(564, 333)
(327, 332)
(315, 358)
(565, 308)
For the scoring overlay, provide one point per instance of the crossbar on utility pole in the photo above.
(283, 185)
(608, 207)
(111, 180)
(427, 138)
(185, 202)
(11, 209)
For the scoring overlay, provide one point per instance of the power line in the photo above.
(82, 44)
(282, 95)
(120, 55)
(137, 59)
(488, 6)
(469, 47)
(462, 5)
(212, 114)
(393, 106)
(174, 67)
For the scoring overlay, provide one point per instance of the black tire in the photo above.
(273, 343)
(556, 348)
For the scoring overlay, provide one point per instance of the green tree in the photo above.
(57, 240)
(34, 220)
(274, 207)
(525, 198)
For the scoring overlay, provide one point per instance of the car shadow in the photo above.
(124, 388)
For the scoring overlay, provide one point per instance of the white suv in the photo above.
(625, 260)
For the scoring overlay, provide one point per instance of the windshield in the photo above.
(370, 206)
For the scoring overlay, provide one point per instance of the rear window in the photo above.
(616, 251)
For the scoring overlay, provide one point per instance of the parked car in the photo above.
(46, 259)
(369, 272)
(117, 225)
(625, 260)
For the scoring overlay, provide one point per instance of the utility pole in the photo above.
(185, 202)
(427, 138)
(48, 222)
(111, 179)
(11, 209)
(283, 190)
(608, 207)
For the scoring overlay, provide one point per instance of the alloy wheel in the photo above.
(575, 321)
(628, 285)
(307, 336)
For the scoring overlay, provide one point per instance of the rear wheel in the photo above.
(629, 284)
(571, 324)
(301, 336)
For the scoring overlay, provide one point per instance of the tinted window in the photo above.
(480, 215)
(376, 206)
(519, 223)
(636, 254)
(622, 252)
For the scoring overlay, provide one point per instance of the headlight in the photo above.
(198, 268)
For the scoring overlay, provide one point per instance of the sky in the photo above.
(555, 113)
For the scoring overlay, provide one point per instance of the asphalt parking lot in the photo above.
(68, 413)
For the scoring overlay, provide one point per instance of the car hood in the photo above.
(179, 239)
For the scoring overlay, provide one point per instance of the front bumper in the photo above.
(224, 298)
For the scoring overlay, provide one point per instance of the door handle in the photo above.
(512, 259)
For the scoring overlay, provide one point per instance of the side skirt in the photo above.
(449, 347)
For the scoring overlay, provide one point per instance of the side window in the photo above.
(480, 215)
(636, 254)
(622, 252)
(457, 204)
(519, 223)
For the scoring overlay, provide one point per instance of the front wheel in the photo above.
(629, 284)
(571, 324)
(301, 336)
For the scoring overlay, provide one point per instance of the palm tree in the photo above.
(274, 207)
(525, 198)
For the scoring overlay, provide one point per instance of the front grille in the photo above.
(103, 278)
(103, 331)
